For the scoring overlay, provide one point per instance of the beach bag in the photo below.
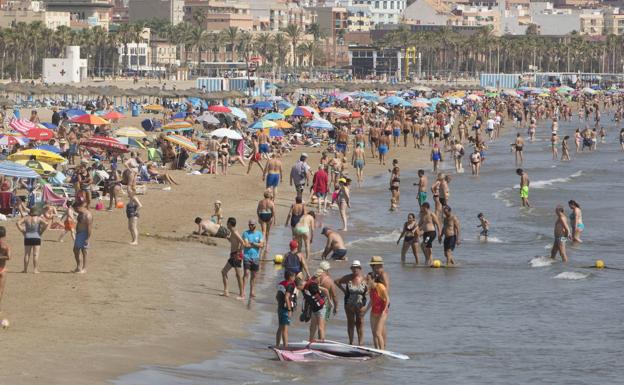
(313, 296)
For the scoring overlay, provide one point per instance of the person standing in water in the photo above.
(395, 183)
(422, 187)
(524, 187)
(429, 224)
(436, 157)
(576, 221)
(344, 201)
(565, 150)
(475, 161)
(354, 288)
(378, 305)
(410, 237)
(484, 224)
(518, 148)
(451, 232)
(561, 233)
(253, 242)
(266, 217)
(554, 141)
(286, 301)
(358, 160)
(235, 261)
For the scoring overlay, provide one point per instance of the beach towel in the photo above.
(51, 197)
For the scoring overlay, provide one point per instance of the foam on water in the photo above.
(500, 195)
(494, 240)
(541, 261)
(549, 182)
(383, 238)
(571, 275)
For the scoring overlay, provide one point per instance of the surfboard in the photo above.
(373, 350)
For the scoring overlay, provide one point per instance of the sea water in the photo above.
(507, 315)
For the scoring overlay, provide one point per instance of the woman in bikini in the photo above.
(395, 182)
(410, 237)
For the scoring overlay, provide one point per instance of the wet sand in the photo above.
(153, 304)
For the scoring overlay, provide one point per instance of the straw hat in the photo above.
(376, 260)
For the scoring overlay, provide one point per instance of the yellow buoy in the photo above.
(436, 263)
(279, 258)
(600, 264)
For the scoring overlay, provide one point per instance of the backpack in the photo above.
(313, 296)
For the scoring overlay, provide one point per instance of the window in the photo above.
(385, 5)
(377, 4)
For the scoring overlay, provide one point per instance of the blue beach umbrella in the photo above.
(275, 133)
(320, 124)
(47, 147)
(262, 105)
(262, 124)
(395, 101)
(179, 115)
(273, 116)
(73, 112)
(238, 113)
(8, 168)
(283, 105)
(49, 126)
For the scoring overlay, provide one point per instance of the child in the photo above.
(69, 222)
(5, 255)
(217, 217)
(286, 302)
(485, 226)
(603, 135)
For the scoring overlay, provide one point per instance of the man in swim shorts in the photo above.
(384, 145)
(335, 244)
(286, 300)
(524, 187)
(562, 233)
(422, 187)
(429, 224)
(253, 242)
(450, 229)
(211, 229)
(263, 144)
(235, 261)
(273, 173)
(84, 226)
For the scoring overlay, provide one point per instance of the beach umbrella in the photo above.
(589, 91)
(22, 125)
(197, 102)
(13, 169)
(260, 124)
(274, 132)
(321, 124)
(49, 147)
(298, 111)
(237, 112)
(262, 105)
(394, 101)
(420, 105)
(49, 126)
(179, 115)
(356, 114)
(491, 94)
(366, 95)
(130, 132)
(177, 126)
(40, 134)
(219, 108)
(382, 109)
(510, 92)
(208, 119)
(92, 120)
(282, 124)
(42, 155)
(104, 142)
(40, 168)
(10, 140)
(113, 115)
(283, 105)
(340, 112)
(474, 98)
(130, 142)
(456, 101)
(227, 133)
(422, 89)
(154, 108)
(181, 141)
(73, 112)
(274, 116)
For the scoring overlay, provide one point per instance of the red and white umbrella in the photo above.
(40, 134)
(219, 108)
(104, 143)
(22, 125)
(12, 140)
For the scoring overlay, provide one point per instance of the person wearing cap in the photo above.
(295, 262)
(377, 264)
(378, 304)
(335, 245)
(253, 242)
(354, 288)
(325, 280)
(300, 174)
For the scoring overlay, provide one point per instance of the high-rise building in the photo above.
(84, 13)
(170, 10)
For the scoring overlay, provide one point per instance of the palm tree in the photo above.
(281, 41)
(244, 46)
(294, 32)
(199, 16)
(315, 30)
(230, 35)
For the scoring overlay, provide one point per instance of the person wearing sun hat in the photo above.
(377, 264)
(354, 288)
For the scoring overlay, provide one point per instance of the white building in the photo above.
(71, 69)
(138, 57)
(383, 11)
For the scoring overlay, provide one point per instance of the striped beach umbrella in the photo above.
(39, 167)
(321, 124)
(130, 132)
(22, 125)
(298, 111)
(10, 140)
(219, 108)
(261, 124)
(274, 116)
(92, 120)
(182, 141)
(8, 168)
(104, 142)
(42, 155)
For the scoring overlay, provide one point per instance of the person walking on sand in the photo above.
(358, 160)
(524, 187)
(300, 174)
(429, 224)
(266, 216)
(576, 221)
(273, 174)
(297, 210)
(235, 260)
(320, 188)
(378, 305)
(253, 243)
(84, 227)
(354, 288)
(383, 148)
(5, 256)
(31, 226)
(561, 234)
(451, 232)
(132, 212)
(410, 237)
(69, 222)
(295, 262)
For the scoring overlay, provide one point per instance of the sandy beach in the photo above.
(153, 304)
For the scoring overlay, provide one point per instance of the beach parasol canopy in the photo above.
(177, 126)
(396, 101)
(181, 141)
(13, 169)
(227, 133)
(73, 112)
(39, 167)
(456, 101)
(274, 116)
(130, 132)
(262, 105)
(282, 124)
(40, 134)
(92, 120)
(237, 112)
(298, 111)
(274, 132)
(283, 105)
(130, 142)
(154, 108)
(321, 124)
(219, 108)
(260, 124)
(49, 147)
(22, 125)
(208, 119)
(49, 126)
(42, 155)
(113, 115)
(9, 140)
(104, 142)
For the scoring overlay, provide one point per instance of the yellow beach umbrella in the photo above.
(283, 124)
(177, 125)
(154, 107)
(130, 132)
(40, 168)
(40, 155)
